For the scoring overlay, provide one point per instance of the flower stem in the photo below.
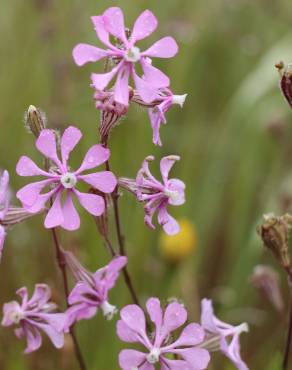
(289, 334)
(62, 267)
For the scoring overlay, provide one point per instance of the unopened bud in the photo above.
(286, 80)
(266, 280)
(35, 120)
(274, 233)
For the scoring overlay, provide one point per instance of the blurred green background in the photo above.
(234, 136)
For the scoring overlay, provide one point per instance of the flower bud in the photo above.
(286, 80)
(35, 120)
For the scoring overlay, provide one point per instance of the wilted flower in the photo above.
(126, 54)
(226, 334)
(132, 329)
(35, 315)
(62, 180)
(158, 108)
(91, 290)
(158, 195)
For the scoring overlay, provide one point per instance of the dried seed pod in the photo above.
(35, 120)
(286, 80)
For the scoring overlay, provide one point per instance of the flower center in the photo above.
(108, 310)
(69, 180)
(172, 194)
(153, 356)
(132, 54)
(179, 99)
(16, 316)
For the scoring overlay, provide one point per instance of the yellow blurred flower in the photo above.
(177, 247)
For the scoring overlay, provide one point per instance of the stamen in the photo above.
(132, 55)
(68, 180)
(153, 356)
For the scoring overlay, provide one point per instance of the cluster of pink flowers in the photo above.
(53, 194)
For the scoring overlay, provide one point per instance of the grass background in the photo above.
(234, 136)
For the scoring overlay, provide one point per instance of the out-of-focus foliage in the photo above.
(234, 136)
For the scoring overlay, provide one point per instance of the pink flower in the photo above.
(4, 204)
(158, 195)
(126, 54)
(33, 316)
(215, 327)
(61, 180)
(132, 329)
(91, 291)
(158, 108)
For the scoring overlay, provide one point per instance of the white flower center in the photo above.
(153, 356)
(179, 99)
(108, 310)
(242, 328)
(16, 316)
(172, 194)
(69, 180)
(133, 54)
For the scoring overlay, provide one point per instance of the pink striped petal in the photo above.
(84, 53)
(163, 48)
(27, 167)
(101, 80)
(130, 359)
(71, 217)
(145, 24)
(147, 92)
(29, 194)
(154, 76)
(95, 156)
(122, 86)
(114, 23)
(93, 203)
(70, 139)
(104, 181)
(55, 216)
(46, 144)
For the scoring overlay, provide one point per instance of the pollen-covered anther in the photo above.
(133, 54)
(68, 180)
(153, 356)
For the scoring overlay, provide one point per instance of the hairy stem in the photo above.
(62, 267)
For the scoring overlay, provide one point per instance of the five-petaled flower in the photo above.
(62, 180)
(91, 290)
(4, 204)
(160, 347)
(158, 108)
(226, 334)
(35, 315)
(125, 54)
(158, 195)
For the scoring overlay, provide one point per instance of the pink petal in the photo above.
(2, 239)
(95, 156)
(101, 32)
(101, 80)
(169, 224)
(56, 337)
(114, 23)
(163, 48)
(155, 312)
(41, 295)
(198, 358)
(23, 293)
(191, 335)
(145, 24)
(133, 316)
(40, 202)
(166, 164)
(26, 167)
(34, 339)
(70, 139)
(84, 53)
(125, 333)
(207, 316)
(130, 359)
(78, 312)
(147, 92)
(155, 119)
(55, 215)
(175, 316)
(4, 193)
(30, 193)
(175, 365)
(109, 274)
(154, 76)
(179, 187)
(147, 366)
(8, 310)
(71, 218)
(104, 181)
(46, 144)
(122, 86)
(93, 203)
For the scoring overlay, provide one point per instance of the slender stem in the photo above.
(289, 334)
(62, 266)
